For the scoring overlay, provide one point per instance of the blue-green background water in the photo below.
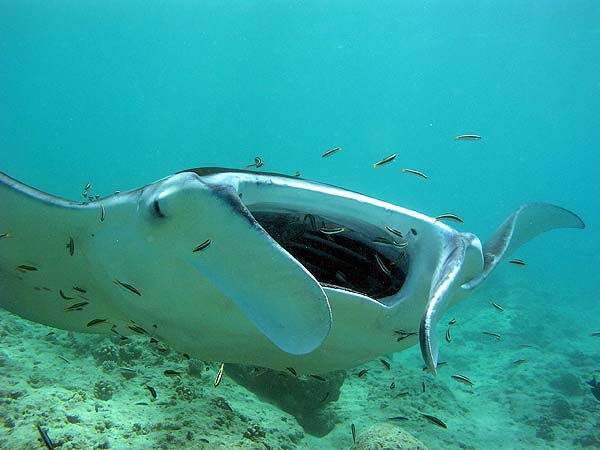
(121, 93)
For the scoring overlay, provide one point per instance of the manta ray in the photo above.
(248, 267)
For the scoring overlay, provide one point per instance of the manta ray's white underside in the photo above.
(247, 267)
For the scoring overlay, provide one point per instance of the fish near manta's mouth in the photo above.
(338, 253)
(333, 233)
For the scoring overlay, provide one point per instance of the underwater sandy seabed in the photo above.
(89, 402)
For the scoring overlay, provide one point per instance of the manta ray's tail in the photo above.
(527, 222)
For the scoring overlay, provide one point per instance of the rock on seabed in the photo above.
(385, 436)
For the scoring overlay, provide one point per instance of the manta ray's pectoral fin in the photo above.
(447, 274)
(525, 223)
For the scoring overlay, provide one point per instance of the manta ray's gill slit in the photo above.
(156, 208)
(347, 258)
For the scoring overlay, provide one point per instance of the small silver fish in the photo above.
(489, 333)
(77, 306)
(331, 152)
(386, 160)
(415, 172)
(219, 376)
(257, 163)
(435, 420)
(332, 230)
(152, 391)
(468, 137)
(127, 286)
(518, 262)
(382, 265)
(202, 246)
(313, 221)
(394, 231)
(449, 216)
(93, 322)
(462, 379)
(497, 306)
(386, 241)
(63, 295)
(317, 377)
(341, 277)
(44, 435)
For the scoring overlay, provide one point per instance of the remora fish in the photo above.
(256, 259)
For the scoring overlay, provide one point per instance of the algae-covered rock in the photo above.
(103, 390)
(385, 436)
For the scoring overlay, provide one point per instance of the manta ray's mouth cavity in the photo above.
(346, 255)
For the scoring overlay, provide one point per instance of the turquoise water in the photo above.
(121, 94)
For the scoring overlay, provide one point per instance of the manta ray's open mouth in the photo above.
(337, 235)
(356, 256)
